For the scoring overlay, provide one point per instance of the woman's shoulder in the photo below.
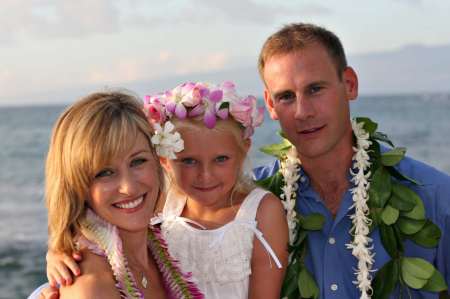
(97, 280)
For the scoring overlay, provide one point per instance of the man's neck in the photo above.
(328, 174)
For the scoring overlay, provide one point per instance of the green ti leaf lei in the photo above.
(396, 210)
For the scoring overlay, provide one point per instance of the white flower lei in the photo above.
(290, 168)
(360, 247)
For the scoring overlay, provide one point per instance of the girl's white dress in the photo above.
(219, 259)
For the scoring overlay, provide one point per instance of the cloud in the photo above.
(247, 11)
(204, 63)
(57, 18)
(411, 2)
(242, 12)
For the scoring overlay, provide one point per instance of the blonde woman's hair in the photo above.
(244, 183)
(87, 136)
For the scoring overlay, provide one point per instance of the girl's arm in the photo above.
(266, 278)
(61, 267)
(97, 281)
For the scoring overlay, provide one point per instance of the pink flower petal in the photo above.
(170, 106)
(222, 113)
(259, 117)
(216, 95)
(209, 119)
(180, 111)
(196, 111)
(228, 85)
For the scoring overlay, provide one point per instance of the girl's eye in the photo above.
(188, 161)
(287, 96)
(137, 162)
(104, 173)
(222, 159)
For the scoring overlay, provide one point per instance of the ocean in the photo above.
(419, 122)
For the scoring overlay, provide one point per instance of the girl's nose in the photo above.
(205, 173)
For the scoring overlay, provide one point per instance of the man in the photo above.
(308, 86)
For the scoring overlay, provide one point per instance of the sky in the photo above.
(54, 50)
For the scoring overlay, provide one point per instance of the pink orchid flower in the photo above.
(181, 97)
(154, 109)
(247, 113)
(213, 98)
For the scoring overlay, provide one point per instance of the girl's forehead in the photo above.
(210, 141)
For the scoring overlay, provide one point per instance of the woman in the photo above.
(103, 180)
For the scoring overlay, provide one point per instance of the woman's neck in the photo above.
(135, 247)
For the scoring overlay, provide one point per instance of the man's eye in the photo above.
(104, 173)
(286, 97)
(188, 161)
(222, 159)
(314, 89)
(138, 161)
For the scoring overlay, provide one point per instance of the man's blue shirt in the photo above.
(332, 263)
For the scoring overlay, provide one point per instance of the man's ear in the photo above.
(269, 104)
(351, 83)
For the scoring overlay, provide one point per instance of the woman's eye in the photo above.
(222, 159)
(138, 161)
(104, 173)
(188, 161)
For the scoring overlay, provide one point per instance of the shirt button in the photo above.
(302, 179)
(334, 287)
(332, 241)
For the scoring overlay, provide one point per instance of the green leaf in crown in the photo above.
(395, 209)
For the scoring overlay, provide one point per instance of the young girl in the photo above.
(103, 179)
(231, 235)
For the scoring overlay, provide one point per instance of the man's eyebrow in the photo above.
(281, 92)
(320, 82)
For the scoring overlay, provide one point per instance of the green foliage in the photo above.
(389, 215)
(382, 137)
(380, 187)
(278, 150)
(272, 183)
(307, 285)
(393, 157)
(402, 198)
(386, 280)
(313, 221)
(416, 272)
(369, 126)
(428, 236)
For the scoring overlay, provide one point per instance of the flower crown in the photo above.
(190, 100)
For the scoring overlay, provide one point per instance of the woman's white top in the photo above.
(219, 259)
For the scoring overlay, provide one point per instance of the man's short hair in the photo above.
(297, 36)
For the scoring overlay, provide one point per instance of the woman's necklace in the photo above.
(144, 280)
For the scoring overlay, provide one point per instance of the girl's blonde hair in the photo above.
(244, 183)
(87, 136)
